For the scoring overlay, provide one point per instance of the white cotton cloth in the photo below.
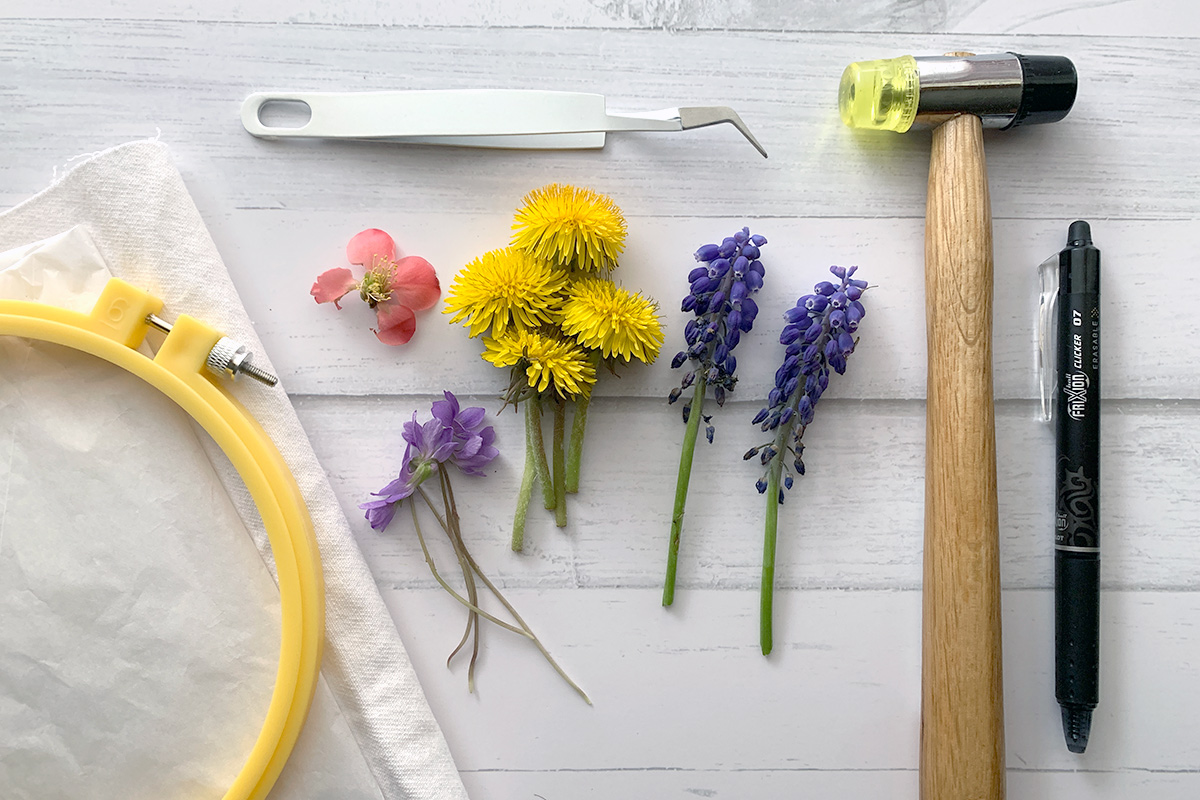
(139, 621)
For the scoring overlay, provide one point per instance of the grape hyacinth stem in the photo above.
(767, 591)
(560, 465)
(681, 486)
(575, 448)
(527, 478)
(767, 587)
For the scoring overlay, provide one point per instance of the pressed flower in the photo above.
(603, 316)
(570, 227)
(719, 295)
(395, 289)
(457, 437)
(502, 288)
(548, 361)
(819, 336)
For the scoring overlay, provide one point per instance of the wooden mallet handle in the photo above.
(962, 707)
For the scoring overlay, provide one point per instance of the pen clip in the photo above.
(1047, 335)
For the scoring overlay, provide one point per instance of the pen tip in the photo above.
(1077, 724)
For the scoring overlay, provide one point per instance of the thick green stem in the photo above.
(560, 463)
(767, 590)
(681, 487)
(526, 490)
(539, 452)
(575, 449)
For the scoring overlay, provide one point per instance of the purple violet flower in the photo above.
(452, 436)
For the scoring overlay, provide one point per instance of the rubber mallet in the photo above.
(958, 95)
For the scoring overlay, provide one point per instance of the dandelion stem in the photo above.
(560, 466)
(527, 478)
(575, 449)
(681, 486)
(539, 451)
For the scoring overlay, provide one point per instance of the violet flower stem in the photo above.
(575, 449)
(539, 452)
(448, 587)
(460, 549)
(681, 486)
(527, 478)
(560, 466)
(509, 607)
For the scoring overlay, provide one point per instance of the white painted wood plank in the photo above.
(1127, 150)
(669, 784)
(854, 521)
(685, 691)
(1137, 18)
(320, 351)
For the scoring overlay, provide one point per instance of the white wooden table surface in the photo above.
(685, 705)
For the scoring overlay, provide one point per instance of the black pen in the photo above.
(1077, 484)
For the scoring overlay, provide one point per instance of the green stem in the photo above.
(449, 588)
(575, 449)
(455, 531)
(526, 490)
(560, 463)
(539, 452)
(767, 590)
(681, 487)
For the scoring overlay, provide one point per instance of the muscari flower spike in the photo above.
(720, 298)
(819, 336)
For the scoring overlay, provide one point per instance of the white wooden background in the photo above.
(685, 705)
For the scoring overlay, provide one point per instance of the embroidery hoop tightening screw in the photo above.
(227, 359)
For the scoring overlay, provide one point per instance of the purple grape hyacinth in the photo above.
(719, 295)
(452, 436)
(819, 336)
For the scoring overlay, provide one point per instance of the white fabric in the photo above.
(370, 734)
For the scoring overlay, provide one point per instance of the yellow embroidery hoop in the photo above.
(113, 330)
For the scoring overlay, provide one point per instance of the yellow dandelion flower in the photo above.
(502, 288)
(605, 317)
(548, 361)
(570, 227)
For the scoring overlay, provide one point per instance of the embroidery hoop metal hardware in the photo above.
(116, 326)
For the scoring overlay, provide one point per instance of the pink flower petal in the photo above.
(415, 284)
(397, 323)
(372, 242)
(332, 285)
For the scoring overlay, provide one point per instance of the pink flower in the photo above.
(395, 289)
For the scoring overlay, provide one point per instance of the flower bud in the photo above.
(742, 236)
(707, 252)
(789, 335)
(838, 271)
(733, 337)
(837, 319)
(719, 395)
(758, 240)
(832, 349)
(761, 485)
(853, 292)
(688, 303)
(754, 281)
(815, 303)
(749, 251)
(719, 267)
(838, 300)
(733, 320)
(824, 288)
(674, 395)
(730, 365)
(708, 433)
(738, 291)
(786, 416)
(728, 247)
(717, 301)
(721, 353)
(846, 342)
(697, 273)
(688, 380)
(787, 481)
(790, 386)
(678, 360)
